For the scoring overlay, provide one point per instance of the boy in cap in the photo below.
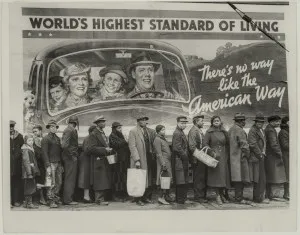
(275, 172)
(16, 185)
(69, 156)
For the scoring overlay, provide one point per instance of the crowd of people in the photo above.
(50, 167)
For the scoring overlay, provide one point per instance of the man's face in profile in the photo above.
(144, 76)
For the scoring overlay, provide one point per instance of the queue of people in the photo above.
(51, 167)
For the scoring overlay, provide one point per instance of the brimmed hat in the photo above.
(273, 118)
(115, 124)
(198, 116)
(74, 119)
(75, 69)
(11, 122)
(285, 120)
(99, 119)
(141, 116)
(259, 118)
(182, 119)
(51, 123)
(239, 116)
(117, 69)
(141, 59)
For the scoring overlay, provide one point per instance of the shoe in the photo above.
(224, 199)
(266, 201)
(140, 203)
(168, 198)
(161, 200)
(43, 202)
(147, 201)
(31, 206)
(71, 203)
(286, 197)
(219, 200)
(201, 200)
(188, 201)
(244, 202)
(278, 199)
(17, 204)
(103, 203)
(87, 200)
(53, 205)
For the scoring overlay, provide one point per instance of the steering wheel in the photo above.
(156, 93)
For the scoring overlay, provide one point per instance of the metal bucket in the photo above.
(112, 158)
(165, 182)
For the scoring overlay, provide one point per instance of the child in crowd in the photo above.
(58, 93)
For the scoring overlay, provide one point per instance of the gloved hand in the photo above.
(137, 164)
(163, 167)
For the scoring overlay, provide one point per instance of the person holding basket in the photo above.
(163, 159)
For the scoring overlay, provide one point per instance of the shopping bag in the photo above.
(136, 182)
(202, 156)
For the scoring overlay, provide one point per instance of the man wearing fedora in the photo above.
(195, 140)
(143, 69)
(16, 184)
(69, 156)
(52, 156)
(275, 172)
(140, 143)
(257, 145)
(180, 160)
(98, 148)
(239, 156)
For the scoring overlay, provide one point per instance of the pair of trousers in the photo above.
(147, 194)
(199, 179)
(238, 192)
(181, 193)
(16, 189)
(70, 168)
(56, 178)
(286, 189)
(100, 195)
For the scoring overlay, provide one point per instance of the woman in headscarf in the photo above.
(218, 178)
(119, 169)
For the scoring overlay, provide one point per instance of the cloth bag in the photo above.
(136, 182)
(202, 156)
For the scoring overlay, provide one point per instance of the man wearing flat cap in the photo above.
(257, 145)
(195, 140)
(98, 147)
(275, 172)
(52, 156)
(143, 69)
(140, 143)
(239, 156)
(112, 82)
(69, 156)
(16, 184)
(180, 160)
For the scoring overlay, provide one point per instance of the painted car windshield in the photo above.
(103, 75)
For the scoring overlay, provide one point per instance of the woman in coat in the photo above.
(85, 167)
(163, 158)
(283, 137)
(29, 171)
(216, 138)
(119, 170)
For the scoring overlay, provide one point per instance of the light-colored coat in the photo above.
(239, 154)
(137, 149)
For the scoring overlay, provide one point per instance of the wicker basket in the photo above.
(202, 156)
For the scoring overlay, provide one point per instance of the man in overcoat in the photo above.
(70, 156)
(239, 155)
(51, 153)
(180, 160)
(257, 145)
(275, 172)
(98, 148)
(195, 140)
(140, 143)
(16, 184)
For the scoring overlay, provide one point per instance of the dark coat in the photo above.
(16, 142)
(40, 162)
(100, 168)
(29, 167)
(257, 142)
(85, 165)
(51, 149)
(283, 138)
(180, 159)
(119, 145)
(275, 172)
(69, 143)
(239, 154)
(195, 140)
(217, 140)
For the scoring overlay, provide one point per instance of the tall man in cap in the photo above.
(140, 143)
(142, 70)
(51, 153)
(69, 156)
(98, 147)
(257, 145)
(180, 160)
(195, 140)
(16, 184)
(275, 172)
(239, 156)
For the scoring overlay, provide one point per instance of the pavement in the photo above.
(211, 205)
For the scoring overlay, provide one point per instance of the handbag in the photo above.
(202, 156)
(136, 182)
